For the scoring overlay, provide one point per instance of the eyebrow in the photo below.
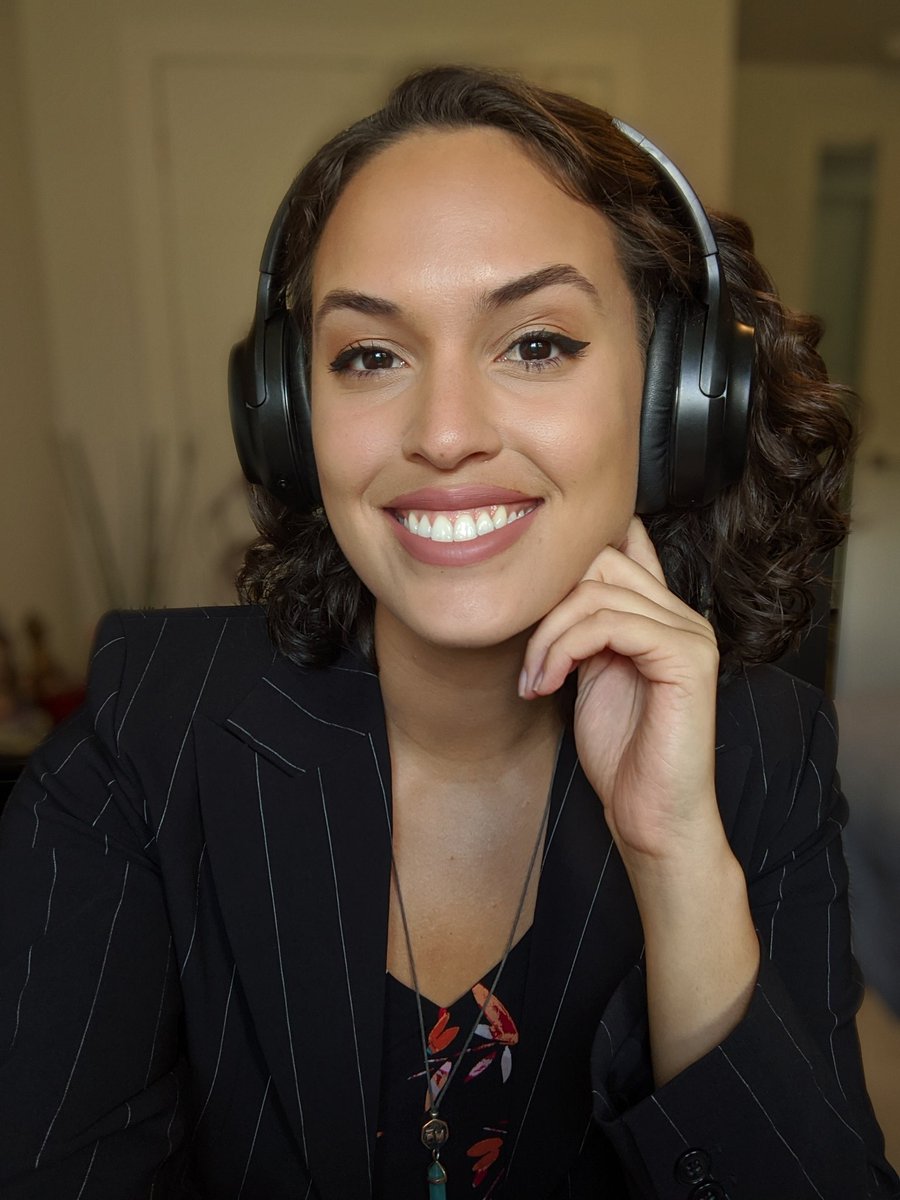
(372, 306)
(526, 285)
(506, 293)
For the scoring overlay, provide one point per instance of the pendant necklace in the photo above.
(435, 1130)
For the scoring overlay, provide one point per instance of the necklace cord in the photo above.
(437, 1098)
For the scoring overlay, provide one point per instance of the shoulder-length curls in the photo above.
(749, 558)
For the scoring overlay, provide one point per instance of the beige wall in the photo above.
(784, 117)
(35, 565)
(161, 134)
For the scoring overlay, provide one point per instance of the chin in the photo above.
(468, 630)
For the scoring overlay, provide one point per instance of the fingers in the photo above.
(634, 564)
(662, 651)
(640, 549)
(621, 606)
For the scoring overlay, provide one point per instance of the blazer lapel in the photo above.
(296, 808)
(586, 937)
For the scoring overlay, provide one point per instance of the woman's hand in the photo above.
(645, 712)
(645, 728)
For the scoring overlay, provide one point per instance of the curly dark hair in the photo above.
(749, 559)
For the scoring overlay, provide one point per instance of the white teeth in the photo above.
(441, 530)
(464, 528)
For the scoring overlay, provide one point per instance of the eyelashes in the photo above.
(536, 350)
(375, 359)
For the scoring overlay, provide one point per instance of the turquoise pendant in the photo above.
(437, 1182)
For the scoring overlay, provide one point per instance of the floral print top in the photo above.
(478, 1103)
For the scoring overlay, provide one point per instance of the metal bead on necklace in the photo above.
(435, 1131)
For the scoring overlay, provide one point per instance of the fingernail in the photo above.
(523, 683)
(539, 679)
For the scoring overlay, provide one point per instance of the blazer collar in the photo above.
(299, 718)
(295, 798)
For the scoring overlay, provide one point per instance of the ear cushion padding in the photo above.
(660, 386)
(299, 412)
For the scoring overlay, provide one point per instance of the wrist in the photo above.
(692, 860)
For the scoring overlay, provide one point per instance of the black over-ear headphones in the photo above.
(697, 384)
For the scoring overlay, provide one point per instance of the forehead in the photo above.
(452, 207)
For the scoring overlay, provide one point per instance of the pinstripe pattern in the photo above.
(134, 694)
(307, 713)
(112, 695)
(828, 996)
(187, 956)
(792, 1040)
(173, 1115)
(255, 1135)
(759, 736)
(337, 903)
(52, 887)
(382, 788)
(109, 642)
(159, 1013)
(88, 1171)
(106, 803)
(19, 1001)
(265, 746)
(187, 731)
(552, 832)
(559, 1008)
(215, 1075)
(681, 1137)
(156, 1073)
(287, 1009)
(63, 764)
(776, 1130)
(37, 1161)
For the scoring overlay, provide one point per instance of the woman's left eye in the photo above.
(361, 360)
(541, 348)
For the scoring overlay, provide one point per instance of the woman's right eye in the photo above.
(366, 360)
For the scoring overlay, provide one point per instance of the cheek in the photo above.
(604, 444)
(345, 450)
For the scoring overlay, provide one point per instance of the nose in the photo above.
(451, 419)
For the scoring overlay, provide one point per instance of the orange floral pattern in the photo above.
(494, 1037)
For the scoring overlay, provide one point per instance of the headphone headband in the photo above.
(712, 290)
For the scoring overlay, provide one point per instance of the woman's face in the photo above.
(476, 386)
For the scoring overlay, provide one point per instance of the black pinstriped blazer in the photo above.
(193, 918)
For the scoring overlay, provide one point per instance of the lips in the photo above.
(457, 526)
(455, 499)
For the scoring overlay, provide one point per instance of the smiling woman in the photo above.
(478, 853)
(488, 363)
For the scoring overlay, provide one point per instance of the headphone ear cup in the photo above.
(661, 377)
(270, 412)
(299, 416)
